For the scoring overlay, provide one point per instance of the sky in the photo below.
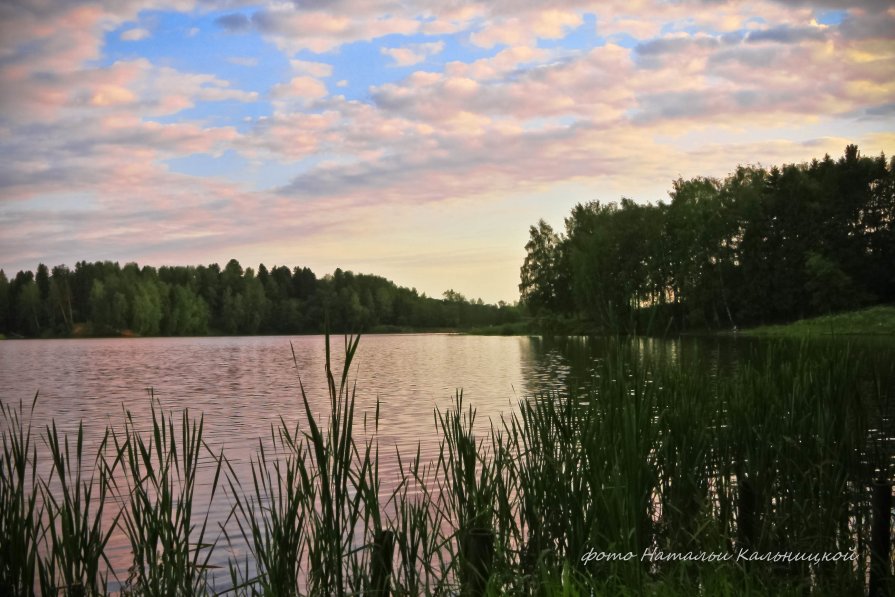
(412, 140)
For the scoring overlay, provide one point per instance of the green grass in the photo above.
(879, 320)
(778, 456)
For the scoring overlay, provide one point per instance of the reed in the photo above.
(420, 522)
(271, 518)
(467, 474)
(77, 532)
(169, 541)
(20, 513)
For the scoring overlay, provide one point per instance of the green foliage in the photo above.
(180, 301)
(147, 308)
(27, 308)
(760, 246)
(188, 314)
(830, 288)
(543, 285)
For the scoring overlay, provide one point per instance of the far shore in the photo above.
(873, 321)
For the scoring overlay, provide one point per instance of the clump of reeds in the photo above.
(313, 519)
(20, 513)
(77, 532)
(168, 538)
(57, 524)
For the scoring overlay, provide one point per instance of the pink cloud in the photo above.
(515, 31)
(414, 53)
(310, 68)
(293, 30)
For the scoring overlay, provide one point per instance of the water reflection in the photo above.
(244, 385)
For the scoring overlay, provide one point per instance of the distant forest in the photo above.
(761, 246)
(103, 298)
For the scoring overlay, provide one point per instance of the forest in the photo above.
(761, 246)
(103, 298)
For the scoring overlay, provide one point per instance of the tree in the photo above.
(830, 288)
(231, 312)
(4, 303)
(61, 296)
(188, 315)
(760, 246)
(255, 303)
(99, 308)
(451, 296)
(540, 285)
(28, 308)
(147, 308)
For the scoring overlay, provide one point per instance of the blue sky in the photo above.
(417, 141)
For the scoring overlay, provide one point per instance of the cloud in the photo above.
(879, 111)
(752, 56)
(313, 69)
(135, 84)
(786, 35)
(413, 53)
(135, 34)
(293, 29)
(514, 31)
(869, 25)
(667, 45)
(863, 5)
(502, 64)
(234, 22)
(300, 87)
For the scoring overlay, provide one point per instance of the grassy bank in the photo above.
(569, 494)
(879, 320)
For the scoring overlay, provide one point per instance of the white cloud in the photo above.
(521, 30)
(300, 87)
(293, 30)
(135, 34)
(313, 69)
(413, 53)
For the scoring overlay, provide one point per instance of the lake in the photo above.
(243, 385)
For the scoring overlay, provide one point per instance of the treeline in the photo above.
(762, 246)
(103, 298)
